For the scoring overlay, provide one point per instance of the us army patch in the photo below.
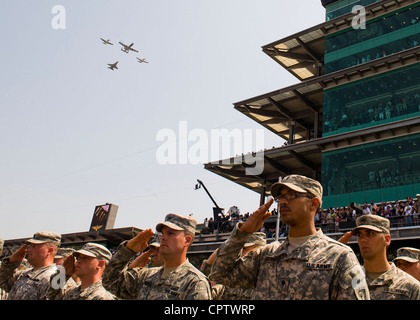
(319, 266)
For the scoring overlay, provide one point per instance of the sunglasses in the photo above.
(292, 195)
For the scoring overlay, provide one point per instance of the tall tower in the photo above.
(353, 120)
(387, 168)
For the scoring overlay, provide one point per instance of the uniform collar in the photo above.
(303, 251)
(88, 290)
(385, 278)
(35, 272)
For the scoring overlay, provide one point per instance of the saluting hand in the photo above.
(345, 238)
(141, 261)
(68, 265)
(19, 254)
(256, 220)
(139, 242)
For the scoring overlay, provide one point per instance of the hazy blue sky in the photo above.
(74, 134)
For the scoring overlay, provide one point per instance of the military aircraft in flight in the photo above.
(107, 42)
(142, 60)
(113, 66)
(127, 48)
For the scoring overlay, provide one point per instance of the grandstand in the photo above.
(352, 121)
(358, 152)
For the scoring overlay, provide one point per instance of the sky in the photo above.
(75, 134)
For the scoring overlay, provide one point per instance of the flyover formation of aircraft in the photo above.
(113, 66)
(125, 48)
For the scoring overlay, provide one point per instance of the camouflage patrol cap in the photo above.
(94, 250)
(178, 222)
(63, 253)
(372, 222)
(45, 237)
(257, 238)
(408, 254)
(300, 184)
(155, 244)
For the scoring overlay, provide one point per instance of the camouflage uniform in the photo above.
(29, 284)
(221, 292)
(71, 283)
(184, 283)
(394, 284)
(319, 269)
(94, 292)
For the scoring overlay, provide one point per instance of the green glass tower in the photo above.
(386, 169)
(353, 120)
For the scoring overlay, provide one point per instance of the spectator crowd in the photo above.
(403, 213)
(400, 213)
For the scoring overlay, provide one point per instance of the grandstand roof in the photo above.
(301, 104)
(302, 53)
(327, 2)
(303, 158)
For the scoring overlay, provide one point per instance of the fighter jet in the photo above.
(113, 66)
(126, 48)
(107, 42)
(142, 60)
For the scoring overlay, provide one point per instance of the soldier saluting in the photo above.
(385, 280)
(307, 265)
(177, 279)
(32, 283)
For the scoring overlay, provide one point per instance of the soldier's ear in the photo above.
(315, 203)
(101, 263)
(51, 249)
(387, 239)
(188, 239)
